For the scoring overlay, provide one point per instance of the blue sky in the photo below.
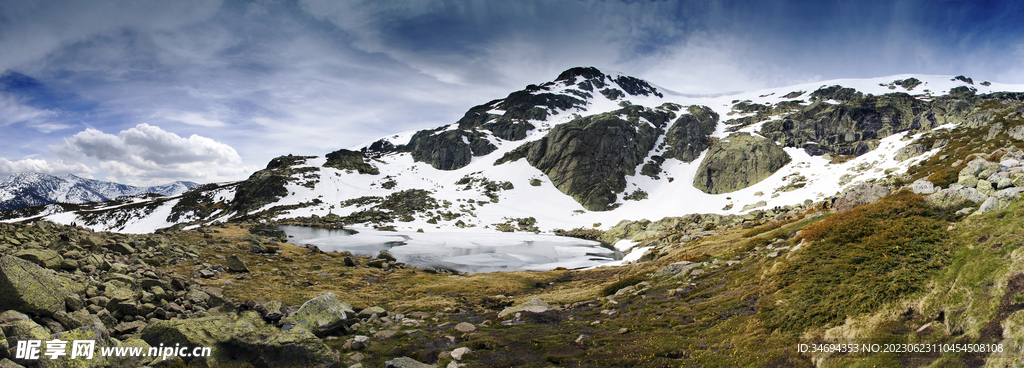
(151, 92)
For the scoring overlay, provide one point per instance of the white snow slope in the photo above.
(555, 210)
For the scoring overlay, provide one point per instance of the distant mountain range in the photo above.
(34, 189)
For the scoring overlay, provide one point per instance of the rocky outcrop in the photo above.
(850, 128)
(738, 161)
(243, 340)
(344, 159)
(268, 185)
(589, 158)
(448, 149)
(690, 134)
(26, 287)
(991, 185)
(322, 315)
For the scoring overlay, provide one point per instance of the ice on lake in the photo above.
(464, 250)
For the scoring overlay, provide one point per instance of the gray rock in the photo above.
(458, 353)
(27, 287)
(235, 264)
(406, 362)
(999, 200)
(21, 330)
(7, 363)
(921, 186)
(243, 340)
(121, 248)
(360, 342)
(350, 262)
(859, 195)
(322, 315)
(75, 319)
(534, 305)
(951, 197)
(371, 311)
(678, 269)
(910, 151)
(748, 207)
(465, 327)
(985, 187)
(738, 161)
(1016, 132)
(385, 255)
(43, 257)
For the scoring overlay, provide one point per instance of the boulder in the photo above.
(953, 196)
(534, 305)
(121, 248)
(371, 311)
(999, 200)
(43, 257)
(243, 340)
(76, 319)
(235, 264)
(29, 288)
(458, 353)
(322, 315)
(406, 362)
(678, 269)
(385, 255)
(92, 332)
(859, 195)
(738, 161)
(21, 330)
(921, 186)
(465, 327)
(910, 151)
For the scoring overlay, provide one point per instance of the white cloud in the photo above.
(8, 167)
(147, 152)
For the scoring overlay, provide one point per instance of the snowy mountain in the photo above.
(590, 149)
(34, 189)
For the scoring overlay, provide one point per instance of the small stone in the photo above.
(357, 357)
(623, 330)
(458, 353)
(465, 327)
(384, 335)
(359, 342)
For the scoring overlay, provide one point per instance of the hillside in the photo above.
(591, 149)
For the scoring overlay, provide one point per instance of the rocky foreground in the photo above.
(710, 290)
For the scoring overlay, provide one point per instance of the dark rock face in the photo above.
(344, 159)
(588, 158)
(691, 133)
(851, 128)
(738, 161)
(449, 149)
(267, 185)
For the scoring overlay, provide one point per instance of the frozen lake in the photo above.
(466, 250)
